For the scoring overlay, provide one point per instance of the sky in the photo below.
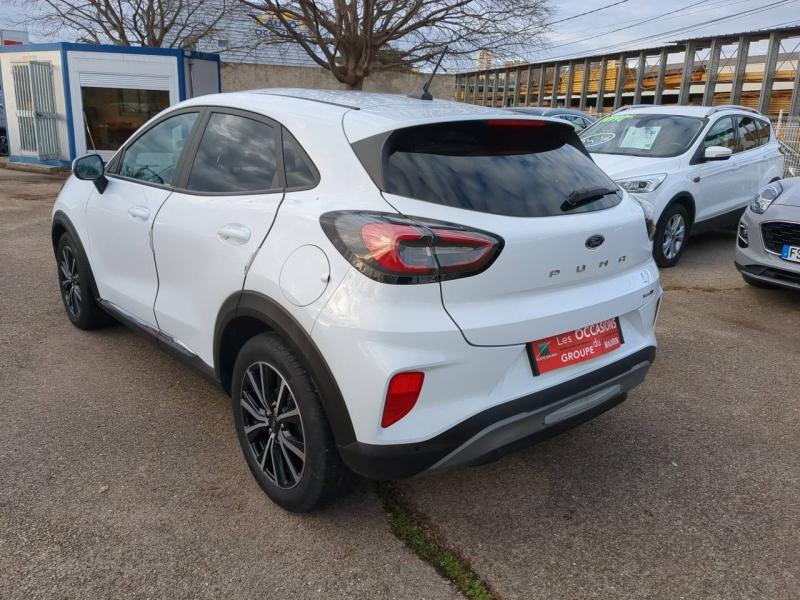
(595, 33)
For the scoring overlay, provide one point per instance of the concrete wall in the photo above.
(239, 76)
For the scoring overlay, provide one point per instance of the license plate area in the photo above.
(791, 253)
(574, 347)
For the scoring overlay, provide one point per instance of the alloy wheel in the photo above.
(70, 282)
(273, 425)
(674, 235)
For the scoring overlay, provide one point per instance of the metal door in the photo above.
(36, 108)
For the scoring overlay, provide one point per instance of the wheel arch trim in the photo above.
(688, 199)
(276, 318)
(61, 220)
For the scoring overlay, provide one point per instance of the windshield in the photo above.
(642, 135)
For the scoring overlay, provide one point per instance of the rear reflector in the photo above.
(404, 389)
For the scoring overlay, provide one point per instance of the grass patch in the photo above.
(413, 528)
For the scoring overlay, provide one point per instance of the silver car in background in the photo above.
(768, 241)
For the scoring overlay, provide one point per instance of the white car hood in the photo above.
(791, 192)
(622, 166)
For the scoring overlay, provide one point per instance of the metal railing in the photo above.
(787, 129)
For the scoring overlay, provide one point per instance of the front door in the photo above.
(208, 231)
(120, 219)
(714, 183)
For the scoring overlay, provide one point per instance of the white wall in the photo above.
(119, 71)
(7, 59)
(202, 77)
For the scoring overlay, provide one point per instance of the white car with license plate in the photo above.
(383, 285)
(698, 166)
(768, 242)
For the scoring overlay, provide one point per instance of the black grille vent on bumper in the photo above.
(776, 234)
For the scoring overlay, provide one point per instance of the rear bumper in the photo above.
(505, 427)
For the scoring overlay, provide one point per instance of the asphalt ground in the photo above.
(120, 475)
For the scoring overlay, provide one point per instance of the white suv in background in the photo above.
(698, 166)
(384, 285)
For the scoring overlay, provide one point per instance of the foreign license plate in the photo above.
(791, 253)
(573, 347)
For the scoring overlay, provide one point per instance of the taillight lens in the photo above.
(402, 395)
(402, 250)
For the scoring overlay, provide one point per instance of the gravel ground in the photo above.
(120, 475)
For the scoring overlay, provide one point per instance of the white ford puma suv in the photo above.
(383, 285)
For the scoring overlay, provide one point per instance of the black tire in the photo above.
(294, 484)
(75, 288)
(668, 255)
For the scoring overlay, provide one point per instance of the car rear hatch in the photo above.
(573, 252)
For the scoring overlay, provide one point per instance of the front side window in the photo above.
(649, 135)
(748, 133)
(722, 134)
(154, 156)
(236, 155)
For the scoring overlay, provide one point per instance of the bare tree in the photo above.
(354, 38)
(156, 23)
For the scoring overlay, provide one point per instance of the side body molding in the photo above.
(261, 308)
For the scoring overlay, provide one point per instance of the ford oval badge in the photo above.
(595, 241)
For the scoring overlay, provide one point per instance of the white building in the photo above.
(65, 100)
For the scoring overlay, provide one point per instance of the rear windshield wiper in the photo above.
(581, 197)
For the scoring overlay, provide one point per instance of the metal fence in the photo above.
(788, 131)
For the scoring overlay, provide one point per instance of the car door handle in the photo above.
(139, 212)
(233, 233)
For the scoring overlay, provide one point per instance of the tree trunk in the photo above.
(357, 85)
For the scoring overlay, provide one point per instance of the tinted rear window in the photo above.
(514, 168)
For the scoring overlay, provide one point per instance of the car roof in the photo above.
(546, 111)
(688, 111)
(362, 114)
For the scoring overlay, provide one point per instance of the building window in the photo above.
(112, 115)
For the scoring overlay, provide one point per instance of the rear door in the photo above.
(209, 230)
(531, 183)
(751, 154)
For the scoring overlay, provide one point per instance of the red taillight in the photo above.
(398, 248)
(462, 251)
(402, 395)
(394, 249)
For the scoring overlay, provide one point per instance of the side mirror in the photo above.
(91, 168)
(717, 153)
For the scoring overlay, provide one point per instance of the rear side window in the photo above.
(748, 133)
(300, 173)
(518, 168)
(236, 155)
(763, 131)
